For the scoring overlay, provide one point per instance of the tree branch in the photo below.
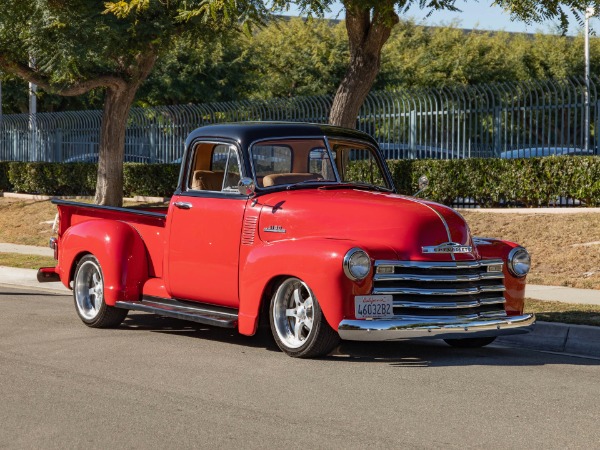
(384, 19)
(34, 77)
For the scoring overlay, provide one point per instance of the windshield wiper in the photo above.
(312, 181)
(357, 185)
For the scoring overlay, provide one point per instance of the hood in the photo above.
(373, 220)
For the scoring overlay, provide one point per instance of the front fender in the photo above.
(317, 262)
(119, 249)
(515, 287)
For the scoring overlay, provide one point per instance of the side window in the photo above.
(216, 168)
(271, 159)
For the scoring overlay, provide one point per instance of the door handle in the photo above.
(183, 205)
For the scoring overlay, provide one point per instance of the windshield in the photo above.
(289, 162)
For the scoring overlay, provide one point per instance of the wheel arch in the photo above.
(119, 249)
(317, 262)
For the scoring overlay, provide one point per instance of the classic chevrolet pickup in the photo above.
(294, 227)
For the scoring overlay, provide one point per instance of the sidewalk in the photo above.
(26, 249)
(27, 278)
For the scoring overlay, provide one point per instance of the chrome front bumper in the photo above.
(400, 329)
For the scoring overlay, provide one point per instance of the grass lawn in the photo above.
(564, 312)
(565, 248)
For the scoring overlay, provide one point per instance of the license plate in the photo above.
(373, 306)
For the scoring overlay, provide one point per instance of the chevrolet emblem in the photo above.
(448, 247)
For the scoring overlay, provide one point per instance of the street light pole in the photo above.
(589, 12)
(33, 147)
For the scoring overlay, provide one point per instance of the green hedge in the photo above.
(157, 180)
(530, 182)
(153, 180)
(53, 178)
(491, 182)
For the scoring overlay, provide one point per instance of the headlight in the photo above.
(519, 262)
(357, 264)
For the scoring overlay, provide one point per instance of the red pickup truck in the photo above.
(296, 227)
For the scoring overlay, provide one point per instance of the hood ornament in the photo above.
(448, 247)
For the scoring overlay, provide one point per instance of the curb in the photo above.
(581, 340)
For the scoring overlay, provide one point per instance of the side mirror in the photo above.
(246, 186)
(423, 184)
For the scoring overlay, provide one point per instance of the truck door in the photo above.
(205, 228)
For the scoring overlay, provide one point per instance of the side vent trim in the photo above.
(249, 230)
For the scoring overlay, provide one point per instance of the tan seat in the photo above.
(288, 178)
(207, 180)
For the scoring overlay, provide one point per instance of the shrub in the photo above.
(490, 182)
(53, 178)
(155, 180)
(532, 182)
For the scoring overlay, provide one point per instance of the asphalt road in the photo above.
(162, 383)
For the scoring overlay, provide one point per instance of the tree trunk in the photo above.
(117, 103)
(366, 37)
(353, 90)
(109, 181)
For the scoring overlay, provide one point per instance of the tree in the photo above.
(294, 57)
(369, 24)
(70, 47)
(195, 71)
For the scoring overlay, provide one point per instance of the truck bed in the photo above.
(149, 222)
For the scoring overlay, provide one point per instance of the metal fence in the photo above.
(516, 119)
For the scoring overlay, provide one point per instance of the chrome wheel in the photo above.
(293, 313)
(89, 289)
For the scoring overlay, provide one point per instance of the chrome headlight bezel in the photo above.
(354, 256)
(519, 262)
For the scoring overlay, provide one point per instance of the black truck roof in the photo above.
(247, 132)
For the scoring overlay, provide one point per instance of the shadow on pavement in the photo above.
(410, 353)
(32, 293)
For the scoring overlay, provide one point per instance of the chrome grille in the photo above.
(468, 289)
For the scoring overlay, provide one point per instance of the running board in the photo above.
(192, 311)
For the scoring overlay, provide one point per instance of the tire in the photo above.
(88, 295)
(470, 342)
(297, 322)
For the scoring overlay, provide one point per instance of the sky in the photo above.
(478, 15)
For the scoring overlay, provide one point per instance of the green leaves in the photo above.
(159, 180)
(533, 182)
(491, 182)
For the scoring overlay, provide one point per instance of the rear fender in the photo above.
(317, 262)
(120, 251)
